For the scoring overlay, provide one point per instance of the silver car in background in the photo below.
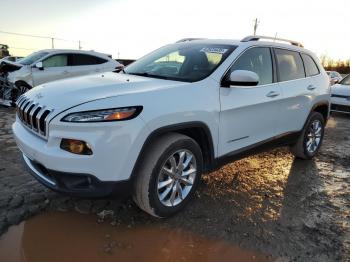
(334, 77)
(340, 96)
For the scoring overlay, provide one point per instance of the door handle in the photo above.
(65, 72)
(272, 94)
(97, 70)
(311, 87)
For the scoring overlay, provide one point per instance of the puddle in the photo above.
(74, 237)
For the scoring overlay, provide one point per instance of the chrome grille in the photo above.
(33, 115)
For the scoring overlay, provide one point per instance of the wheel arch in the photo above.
(19, 83)
(322, 108)
(198, 131)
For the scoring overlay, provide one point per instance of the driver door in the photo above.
(250, 114)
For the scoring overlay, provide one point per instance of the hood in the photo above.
(338, 89)
(7, 67)
(64, 94)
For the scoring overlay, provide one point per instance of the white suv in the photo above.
(49, 65)
(182, 110)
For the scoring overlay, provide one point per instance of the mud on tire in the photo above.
(154, 172)
(302, 148)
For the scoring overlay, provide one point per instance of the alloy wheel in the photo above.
(176, 178)
(314, 135)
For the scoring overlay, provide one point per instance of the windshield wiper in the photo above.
(150, 75)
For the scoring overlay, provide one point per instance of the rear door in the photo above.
(296, 89)
(84, 64)
(54, 67)
(249, 115)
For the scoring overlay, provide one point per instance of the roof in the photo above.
(73, 51)
(248, 41)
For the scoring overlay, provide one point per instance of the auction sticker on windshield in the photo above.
(216, 50)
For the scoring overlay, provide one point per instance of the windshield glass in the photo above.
(181, 62)
(346, 80)
(32, 58)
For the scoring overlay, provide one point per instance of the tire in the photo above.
(147, 194)
(302, 148)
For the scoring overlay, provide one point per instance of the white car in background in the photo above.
(49, 65)
(334, 77)
(340, 94)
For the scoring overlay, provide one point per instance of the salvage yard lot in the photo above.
(270, 202)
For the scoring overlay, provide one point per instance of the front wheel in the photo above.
(169, 175)
(18, 91)
(311, 137)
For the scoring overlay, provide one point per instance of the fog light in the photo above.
(76, 146)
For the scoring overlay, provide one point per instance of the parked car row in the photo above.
(45, 66)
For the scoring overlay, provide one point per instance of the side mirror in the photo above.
(242, 78)
(39, 65)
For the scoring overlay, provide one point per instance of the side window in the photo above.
(56, 61)
(290, 65)
(82, 60)
(311, 68)
(258, 60)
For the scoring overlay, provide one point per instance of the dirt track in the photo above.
(270, 202)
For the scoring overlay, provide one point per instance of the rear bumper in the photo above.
(73, 184)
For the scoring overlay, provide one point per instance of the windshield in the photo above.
(181, 62)
(32, 58)
(346, 80)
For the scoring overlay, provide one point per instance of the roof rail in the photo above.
(188, 40)
(259, 37)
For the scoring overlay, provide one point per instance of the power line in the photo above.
(42, 37)
(35, 36)
(23, 48)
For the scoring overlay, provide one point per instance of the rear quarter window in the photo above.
(311, 68)
(84, 60)
(290, 65)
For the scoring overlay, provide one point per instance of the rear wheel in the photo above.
(169, 176)
(311, 138)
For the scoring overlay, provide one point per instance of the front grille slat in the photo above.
(25, 112)
(23, 108)
(34, 121)
(33, 115)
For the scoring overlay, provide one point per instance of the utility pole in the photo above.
(52, 43)
(80, 45)
(256, 23)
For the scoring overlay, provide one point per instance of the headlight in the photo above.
(104, 115)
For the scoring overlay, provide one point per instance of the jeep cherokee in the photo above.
(184, 109)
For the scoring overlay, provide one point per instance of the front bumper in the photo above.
(80, 185)
(115, 148)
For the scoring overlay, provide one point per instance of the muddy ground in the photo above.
(271, 203)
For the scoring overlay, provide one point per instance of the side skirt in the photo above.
(278, 141)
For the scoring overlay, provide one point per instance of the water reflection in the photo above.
(73, 237)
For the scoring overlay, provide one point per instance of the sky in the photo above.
(132, 28)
